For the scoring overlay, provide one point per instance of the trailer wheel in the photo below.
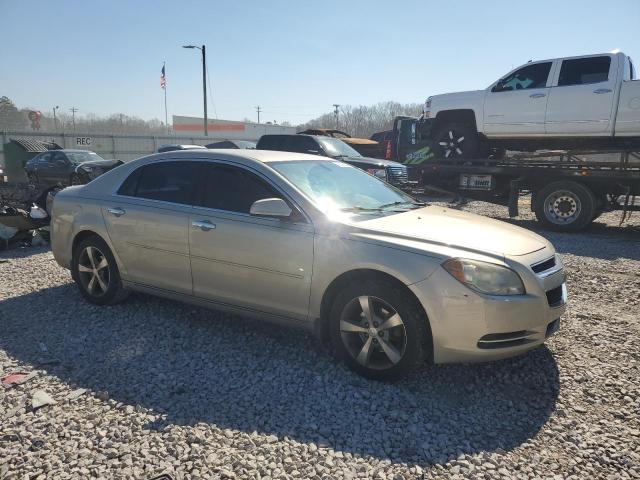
(565, 206)
(455, 141)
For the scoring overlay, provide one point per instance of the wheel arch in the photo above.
(359, 274)
(462, 115)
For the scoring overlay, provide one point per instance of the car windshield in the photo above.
(337, 148)
(80, 157)
(337, 186)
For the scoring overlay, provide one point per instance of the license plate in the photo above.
(476, 182)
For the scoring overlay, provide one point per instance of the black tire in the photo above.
(107, 287)
(387, 297)
(457, 141)
(565, 206)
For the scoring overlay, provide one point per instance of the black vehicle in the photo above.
(174, 147)
(241, 144)
(66, 167)
(392, 172)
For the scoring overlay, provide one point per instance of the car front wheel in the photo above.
(96, 273)
(379, 330)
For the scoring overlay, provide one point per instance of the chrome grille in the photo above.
(397, 174)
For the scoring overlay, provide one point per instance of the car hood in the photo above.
(374, 162)
(101, 163)
(468, 96)
(453, 228)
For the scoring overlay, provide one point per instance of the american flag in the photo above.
(163, 80)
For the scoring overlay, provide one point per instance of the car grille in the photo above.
(397, 174)
(554, 296)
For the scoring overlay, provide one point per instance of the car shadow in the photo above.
(192, 365)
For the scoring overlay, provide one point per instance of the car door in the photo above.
(517, 104)
(582, 101)
(44, 168)
(148, 224)
(60, 168)
(263, 264)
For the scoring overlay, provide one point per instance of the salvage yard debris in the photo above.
(17, 378)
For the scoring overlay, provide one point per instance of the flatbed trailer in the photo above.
(569, 188)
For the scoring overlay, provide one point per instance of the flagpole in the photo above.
(166, 118)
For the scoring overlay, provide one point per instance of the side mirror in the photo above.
(271, 207)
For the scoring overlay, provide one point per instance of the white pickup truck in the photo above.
(590, 101)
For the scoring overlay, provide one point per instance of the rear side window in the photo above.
(584, 70)
(529, 76)
(234, 189)
(303, 144)
(166, 181)
(271, 142)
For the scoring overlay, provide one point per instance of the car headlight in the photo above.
(485, 277)
(427, 104)
(378, 172)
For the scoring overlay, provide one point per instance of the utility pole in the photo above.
(203, 49)
(336, 112)
(258, 110)
(55, 120)
(73, 117)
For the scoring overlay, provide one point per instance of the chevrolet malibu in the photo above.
(316, 243)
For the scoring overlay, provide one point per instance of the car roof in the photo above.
(263, 156)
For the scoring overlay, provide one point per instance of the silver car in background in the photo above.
(312, 242)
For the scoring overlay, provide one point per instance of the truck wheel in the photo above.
(456, 141)
(565, 206)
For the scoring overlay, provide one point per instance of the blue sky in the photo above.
(294, 58)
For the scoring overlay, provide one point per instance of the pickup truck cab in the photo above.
(587, 101)
(392, 172)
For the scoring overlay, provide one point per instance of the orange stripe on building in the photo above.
(216, 127)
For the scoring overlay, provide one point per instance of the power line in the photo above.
(73, 117)
(213, 103)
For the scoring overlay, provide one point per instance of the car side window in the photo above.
(303, 144)
(271, 142)
(580, 71)
(44, 158)
(525, 78)
(59, 157)
(233, 189)
(165, 181)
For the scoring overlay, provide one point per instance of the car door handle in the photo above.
(117, 211)
(602, 90)
(538, 95)
(204, 225)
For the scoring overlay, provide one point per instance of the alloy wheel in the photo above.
(373, 332)
(562, 207)
(452, 144)
(93, 270)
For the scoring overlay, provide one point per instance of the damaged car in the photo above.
(313, 242)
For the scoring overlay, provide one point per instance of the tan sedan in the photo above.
(313, 242)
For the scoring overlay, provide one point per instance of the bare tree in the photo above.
(363, 121)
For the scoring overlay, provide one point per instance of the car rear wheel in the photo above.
(95, 271)
(378, 329)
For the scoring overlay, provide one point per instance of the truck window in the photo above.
(302, 144)
(584, 70)
(529, 76)
(271, 142)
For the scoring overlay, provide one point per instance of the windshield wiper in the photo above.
(358, 208)
(397, 204)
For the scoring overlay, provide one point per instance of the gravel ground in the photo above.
(199, 394)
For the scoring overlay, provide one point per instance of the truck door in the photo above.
(516, 105)
(582, 101)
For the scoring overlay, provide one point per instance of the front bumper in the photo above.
(470, 327)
